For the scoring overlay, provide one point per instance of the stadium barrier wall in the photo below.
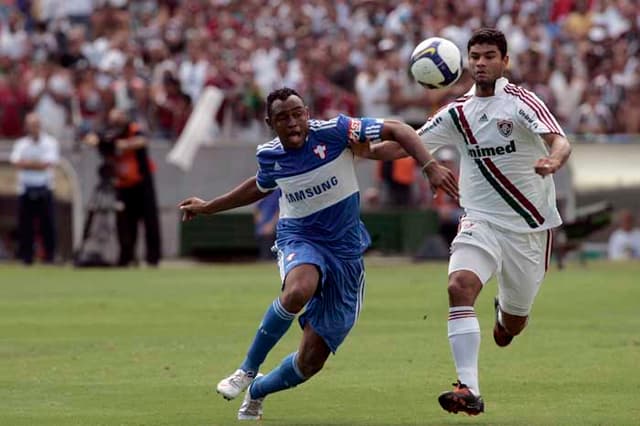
(601, 171)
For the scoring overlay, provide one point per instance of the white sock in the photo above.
(464, 338)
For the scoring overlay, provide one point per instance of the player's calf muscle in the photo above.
(513, 324)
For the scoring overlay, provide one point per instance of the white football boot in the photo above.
(251, 409)
(234, 385)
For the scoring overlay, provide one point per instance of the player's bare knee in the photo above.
(462, 289)
(300, 286)
(293, 299)
(296, 294)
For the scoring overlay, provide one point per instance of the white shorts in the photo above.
(519, 260)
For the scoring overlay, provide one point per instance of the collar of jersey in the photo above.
(500, 85)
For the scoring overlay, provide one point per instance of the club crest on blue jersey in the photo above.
(320, 150)
(505, 127)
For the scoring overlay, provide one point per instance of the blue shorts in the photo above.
(335, 307)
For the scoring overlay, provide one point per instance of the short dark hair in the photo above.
(489, 36)
(280, 94)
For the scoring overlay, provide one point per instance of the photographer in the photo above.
(124, 149)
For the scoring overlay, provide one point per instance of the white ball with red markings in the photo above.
(436, 63)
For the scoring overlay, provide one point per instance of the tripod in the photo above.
(99, 246)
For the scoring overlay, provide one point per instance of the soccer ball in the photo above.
(436, 63)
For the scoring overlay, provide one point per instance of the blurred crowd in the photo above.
(72, 61)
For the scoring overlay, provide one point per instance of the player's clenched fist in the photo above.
(546, 166)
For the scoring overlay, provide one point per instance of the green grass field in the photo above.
(146, 347)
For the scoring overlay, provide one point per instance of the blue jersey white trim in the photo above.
(320, 199)
(273, 144)
(323, 124)
(310, 192)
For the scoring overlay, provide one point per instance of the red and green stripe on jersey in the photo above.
(500, 183)
(536, 105)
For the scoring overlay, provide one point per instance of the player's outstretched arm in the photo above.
(407, 138)
(439, 176)
(245, 193)
(560, 149)
(385, 150)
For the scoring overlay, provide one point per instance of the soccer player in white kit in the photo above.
(509, 145)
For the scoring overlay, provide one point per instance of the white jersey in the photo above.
(498, 141)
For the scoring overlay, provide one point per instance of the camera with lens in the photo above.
(107, 142)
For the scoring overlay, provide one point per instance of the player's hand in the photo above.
(546, 166)
(191, 207)
(441, 177)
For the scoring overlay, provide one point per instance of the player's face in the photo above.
(486, 63)
(289, 119)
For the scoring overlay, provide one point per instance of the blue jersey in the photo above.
(320, 200)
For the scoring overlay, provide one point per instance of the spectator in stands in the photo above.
(166, 102)
(50, 94)
(130, 92)
(624, 242)
(79, 12)
(265, 219)
(579, 21)
(88, 107)
(629, 116)
(373, 87)
(14, 39)
(34, 156)
(592, 117)
(182, 112)
(14, 103)
(317, 47)
(72, 55)
(193, 69)
(568, 82)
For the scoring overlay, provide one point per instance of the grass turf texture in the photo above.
(146, 347)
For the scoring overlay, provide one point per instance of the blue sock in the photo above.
(275, 323)
(285, 376)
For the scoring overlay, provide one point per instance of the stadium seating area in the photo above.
(74, 60)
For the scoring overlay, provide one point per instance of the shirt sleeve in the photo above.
(364, 129)
(16, 152)
(264, 178)
(535, 116)
(438, 130)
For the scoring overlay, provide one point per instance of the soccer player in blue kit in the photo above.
(320, 238)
